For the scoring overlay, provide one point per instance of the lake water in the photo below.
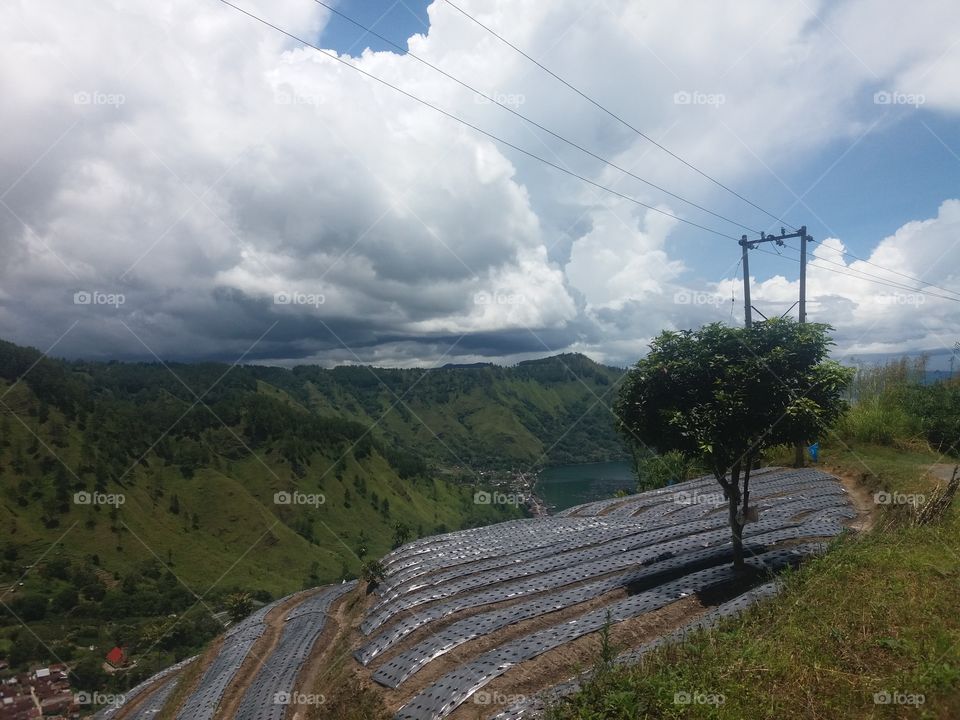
(564, 486)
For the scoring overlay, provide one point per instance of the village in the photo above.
(46, 692)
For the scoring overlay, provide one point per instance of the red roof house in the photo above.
(116, 657)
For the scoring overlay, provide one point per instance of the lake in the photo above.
(564, 486)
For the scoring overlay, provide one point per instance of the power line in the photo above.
(617, 117)
(533, 122)
(667, 150)
(850, 273)
(333, 56)
(897, 272)
(892, 283)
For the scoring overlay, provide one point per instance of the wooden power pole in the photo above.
(748, 245)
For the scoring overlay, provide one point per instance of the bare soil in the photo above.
(862, 499)
(261, 650)
(333, 647)
(564, 662)
(469, 650)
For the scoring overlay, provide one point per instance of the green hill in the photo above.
(135, 492)
(539, 412)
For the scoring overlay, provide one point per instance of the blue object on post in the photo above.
(814, 451)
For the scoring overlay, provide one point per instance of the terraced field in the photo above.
(493, 622)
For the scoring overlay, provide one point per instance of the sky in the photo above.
(181, 181)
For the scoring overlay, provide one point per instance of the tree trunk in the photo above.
(798, 455)
(736, 527)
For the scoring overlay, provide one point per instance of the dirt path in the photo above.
(942, 471)
(129, 707)
(190, 678)
(867, 510)
(334, 646)
(261, 650)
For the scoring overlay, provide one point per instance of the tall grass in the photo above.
(877, 420)
(879, 409)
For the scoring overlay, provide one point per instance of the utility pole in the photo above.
(803, 274)
(747, 319)
(748, 245)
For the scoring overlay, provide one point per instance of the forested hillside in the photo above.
(132, 491)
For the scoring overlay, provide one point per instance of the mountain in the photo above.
(135, 492)
(198, 451)
(540, 412)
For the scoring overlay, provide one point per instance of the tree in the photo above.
(401, 533)
(239, 605)
(373, 573)
(723, 395)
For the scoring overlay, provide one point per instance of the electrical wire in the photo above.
(617, 117)
(529, 120)
(850, 273)
(897, 272)
(334, 56)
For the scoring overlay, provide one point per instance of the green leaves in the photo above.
(722, 393)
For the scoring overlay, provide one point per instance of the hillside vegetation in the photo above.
(136, 497)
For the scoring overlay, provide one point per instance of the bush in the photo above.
(656, 471)
(877, 420)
